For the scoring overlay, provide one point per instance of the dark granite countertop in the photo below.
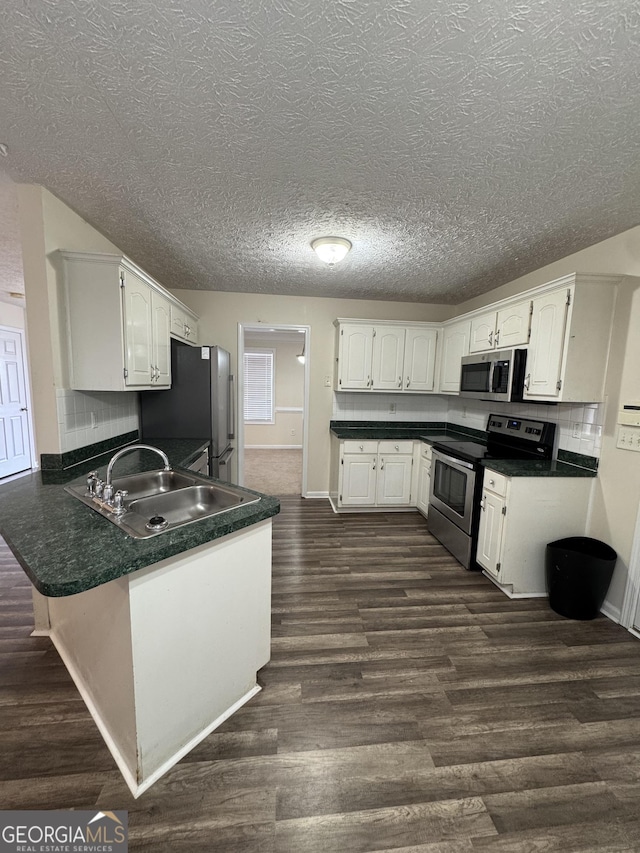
(428, 431)
(65, 547)
(434, 431)
(536, 468)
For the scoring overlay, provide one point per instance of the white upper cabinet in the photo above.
(184, 324)
(420, 359)
(512, 325)
(386, 356)
(544, 359)
(502, 329)
(355, 351)
(119, 324)
(455, 345)
(160, 338)
(138, 330)
(571, 328)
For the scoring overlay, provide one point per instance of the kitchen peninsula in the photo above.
(162, 636)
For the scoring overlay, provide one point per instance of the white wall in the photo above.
(63, 419)
(12, 315)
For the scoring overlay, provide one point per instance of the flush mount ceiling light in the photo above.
(330, 249)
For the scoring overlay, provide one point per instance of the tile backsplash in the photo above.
(86, 417)
(356, 406)
(578, 426)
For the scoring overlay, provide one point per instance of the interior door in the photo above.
(15, 450)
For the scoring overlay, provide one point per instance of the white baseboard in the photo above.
(273, 447)
(611, 612)
(312, 495)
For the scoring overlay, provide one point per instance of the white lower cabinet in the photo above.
(373, 473)
(424, 478)
(519, 516)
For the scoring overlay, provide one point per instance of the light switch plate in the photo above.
(628, 438)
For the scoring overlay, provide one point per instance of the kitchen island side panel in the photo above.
(200, 629)
(92, 633)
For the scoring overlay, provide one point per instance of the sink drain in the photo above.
(157, 522)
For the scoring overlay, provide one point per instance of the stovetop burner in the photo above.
(468, 450)
(507, 438)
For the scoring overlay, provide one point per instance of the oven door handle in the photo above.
(452, 460)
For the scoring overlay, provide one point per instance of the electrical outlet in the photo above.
(392, 408)
(293, 432)
(94, 421)
(327, 381)
(577, 430)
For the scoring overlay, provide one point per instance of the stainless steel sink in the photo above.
(152, 483)
(160, 501)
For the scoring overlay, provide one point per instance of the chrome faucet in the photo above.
(128, 449)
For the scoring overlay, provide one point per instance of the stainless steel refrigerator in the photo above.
(199, 404)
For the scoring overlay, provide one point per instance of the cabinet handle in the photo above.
(368, 381)
(497, 337)
(382, 464)
(397, 448)
(361, 447)
(527, 381)
(399, 381)
(492, 482)
(408, 381)
(482, 505)
(490, 338)
(374, 464)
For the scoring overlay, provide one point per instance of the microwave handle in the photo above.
(491, 372)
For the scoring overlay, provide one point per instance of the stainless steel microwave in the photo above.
(497, 375)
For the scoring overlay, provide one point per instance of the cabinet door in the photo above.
(394, 480)
(358, 485)
(482, 333)
(355, 352)
(544, 360)
(490, 532)
(512, 325)
(388, 358)
(138, 333)
(420, 359)
(161, 343)
(424, 482)
(455, 345)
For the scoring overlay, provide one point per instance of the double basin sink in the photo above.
(160, 501)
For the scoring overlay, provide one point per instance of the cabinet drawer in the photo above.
(352, 446)
(494, 482)
(395, 447)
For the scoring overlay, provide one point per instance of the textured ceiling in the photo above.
(456, 144)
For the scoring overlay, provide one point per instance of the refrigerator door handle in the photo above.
(232, 407)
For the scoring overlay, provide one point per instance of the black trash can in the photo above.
(579, 571)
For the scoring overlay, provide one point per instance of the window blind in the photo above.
(258, 387)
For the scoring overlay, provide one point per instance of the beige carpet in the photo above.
(274, 472)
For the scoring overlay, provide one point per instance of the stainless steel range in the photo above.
(456, 478)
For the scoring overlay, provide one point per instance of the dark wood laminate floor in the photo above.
(408, 707)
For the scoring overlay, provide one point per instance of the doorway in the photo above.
(15, 438)
(273, 404)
